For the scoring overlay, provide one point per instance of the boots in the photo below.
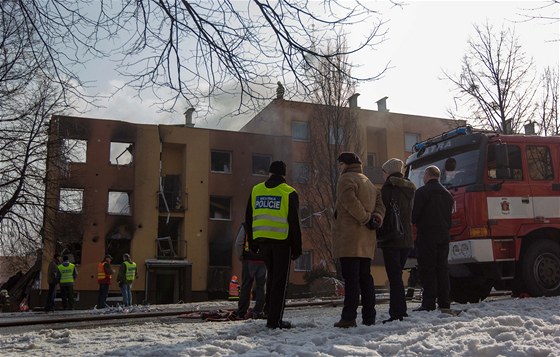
(345, 323)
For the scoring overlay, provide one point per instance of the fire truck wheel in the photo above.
(469, 289)
(541, 268)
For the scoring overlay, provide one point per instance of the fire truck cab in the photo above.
(505, 230)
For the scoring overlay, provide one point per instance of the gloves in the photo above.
(374, 222)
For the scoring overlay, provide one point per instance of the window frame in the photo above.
(114, 213)
(228, 218)
(305, 124)
(265, 172)
(71, 189)
(229, 170)
(308, 263)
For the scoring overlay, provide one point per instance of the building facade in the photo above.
(174, 196)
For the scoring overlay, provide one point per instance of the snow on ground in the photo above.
(507, 327)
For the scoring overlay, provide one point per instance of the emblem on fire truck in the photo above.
(505, 206)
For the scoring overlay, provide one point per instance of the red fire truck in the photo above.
(505, 230)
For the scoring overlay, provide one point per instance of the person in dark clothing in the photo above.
(52, 274)
(400, 190)
(431, 213)
(253, 270)
(273, 231)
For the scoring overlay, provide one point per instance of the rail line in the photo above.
(87, 316)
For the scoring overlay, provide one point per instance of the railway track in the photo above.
(54, 320)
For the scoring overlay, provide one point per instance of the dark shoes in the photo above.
(281, 325)
(423, 308)
(345, 323)
(393, 319)
(259, 316)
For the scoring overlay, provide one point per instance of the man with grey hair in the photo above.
(431, 213)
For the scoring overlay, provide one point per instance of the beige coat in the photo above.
(356, 199)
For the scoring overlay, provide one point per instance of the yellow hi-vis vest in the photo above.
(270, 211)
(130, 273)
(66, 273)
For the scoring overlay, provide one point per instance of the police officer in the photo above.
(273, 230)
(66, 276)
(127, 274)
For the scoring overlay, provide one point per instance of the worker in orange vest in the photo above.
(233, 288)
(104, 275)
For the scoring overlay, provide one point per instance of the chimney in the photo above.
(382, 105)
(353, 100)
(188, 117)
(530, 128)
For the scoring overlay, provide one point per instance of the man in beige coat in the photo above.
(359, 210)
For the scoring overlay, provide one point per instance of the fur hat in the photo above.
(392, 166)
(278, 168)
(349, 158)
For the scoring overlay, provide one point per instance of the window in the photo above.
(121, 153)
(171, 197)
(300, 131)
(301, 172)
(336, 136)
(118, 242)
(74, 150)
(71, 200)
(305, 216)
(303, 263)
(539, 162)
(371, 159)
(261, 163)
(513, 171)
(221, 162)
(220, 207)
(409, 140)
(119, 203)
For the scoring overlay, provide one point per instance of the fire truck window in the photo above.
(539, 162)
(513, 172)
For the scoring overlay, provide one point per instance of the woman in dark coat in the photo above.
(399, 189)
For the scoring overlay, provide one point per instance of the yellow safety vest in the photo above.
(66, 273)
(130, 273)
(270, 211)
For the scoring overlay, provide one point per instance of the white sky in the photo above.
(512, 327)
(425, 38)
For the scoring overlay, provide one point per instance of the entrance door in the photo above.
(167, 286)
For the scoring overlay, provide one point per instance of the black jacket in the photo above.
(433, 206)
(402, 190)
(294, 232)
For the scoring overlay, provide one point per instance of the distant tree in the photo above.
(333, 128)
(497, 81)
(547, 107)
(194, 50)
(547, 11)
(29, 94)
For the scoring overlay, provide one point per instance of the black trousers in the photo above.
(277, 258)
(395, 259)
(67, 296)
(433, 270)
(49, 304)
(102, 296)
(358, 282)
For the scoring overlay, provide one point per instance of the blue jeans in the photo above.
(358, 281)
(395, 258)
(126, 294)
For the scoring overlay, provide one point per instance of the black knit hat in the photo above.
(278, 168)
(349, 158)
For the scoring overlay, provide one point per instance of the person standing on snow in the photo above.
(359, 210)
(67, 274)
(273, 229)
(127, 274)
(52, 280)
(431, 213)
(104, 275)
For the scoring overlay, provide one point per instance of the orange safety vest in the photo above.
(103, 278)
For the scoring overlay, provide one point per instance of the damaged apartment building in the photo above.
(174, 196)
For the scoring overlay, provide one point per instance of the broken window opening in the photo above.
(169, 243)
(170, 197)
(121, 153)
(71, 200)
(220, 207)
(74, 150)
(119, 203)
(261, 163)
